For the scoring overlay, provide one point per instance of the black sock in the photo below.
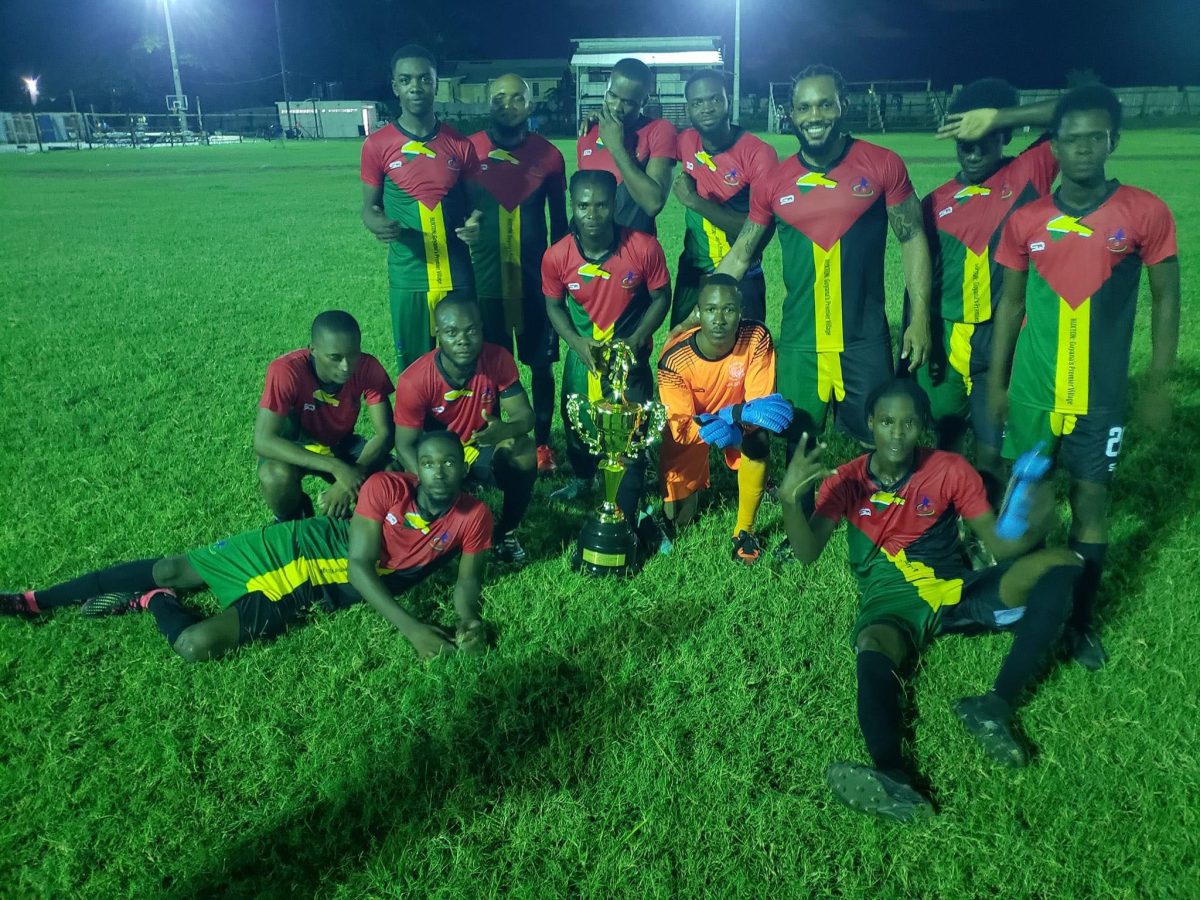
(1046, 609)
(171, 616)
(629, 491)
(879, 710)
(542, 389)
(1087, 589)
(517, 486)
(130, 576)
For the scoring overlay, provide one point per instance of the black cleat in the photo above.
(17, 605)
(114, 603)
(876, 793)
(1086, 649)
(746, 548)
(988, 718)
(508, 550)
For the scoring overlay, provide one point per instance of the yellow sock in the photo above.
(752, 478)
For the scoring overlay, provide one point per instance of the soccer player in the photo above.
(721, 163)
(604, 282)
(638, 151)
(414, 201)
(521, 177)
(468, 388)
(901, 504)
(306, 417)
(1072, 264)
(727, 360)
(963, 221)
(270, 580)
(832, 204)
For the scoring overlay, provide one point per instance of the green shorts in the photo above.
(955, 378)
(1087, 446)
(814, 381)
(687, 295)
(412, 321)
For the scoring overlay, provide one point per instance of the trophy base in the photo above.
(605, 549)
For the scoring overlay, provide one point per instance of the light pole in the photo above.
(179, 97)
(737, 61)
(31, 88)
(287, 100)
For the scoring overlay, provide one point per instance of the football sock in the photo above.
(132, 576)
(1046, 609)
(171, 616)
(1087, 589)
(879, 709)
(542, 388)
(517, 486)
(752, 477)
(629, 492)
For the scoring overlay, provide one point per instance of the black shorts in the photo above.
(482, 470)
(348, 451)
(980, 610)
(526, 320)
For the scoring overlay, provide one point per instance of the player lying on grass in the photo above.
(306, 419)
(901, 504)
(705, 375)
(270, 580)
(471, 389)
(1064, 327)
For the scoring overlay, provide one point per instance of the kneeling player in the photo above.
(464, 386)
(901, 504)
(268, 581)
(725, 362)
(306, 420)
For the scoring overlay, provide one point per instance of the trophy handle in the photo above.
(655, 416)
(575, 404)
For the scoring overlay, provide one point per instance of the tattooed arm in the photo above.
(908, 226)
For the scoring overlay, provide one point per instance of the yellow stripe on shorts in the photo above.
(1072, 367)
(830, 381)
(960, 352)
(937, 592)
(827, 298)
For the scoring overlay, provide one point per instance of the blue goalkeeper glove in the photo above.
(771, 412)
(718, 433)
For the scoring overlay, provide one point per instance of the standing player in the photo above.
(832, 203)
(726, 361)
(414, 201)
(963, 220)
(603, 282)
(638, 151)
(465, 386)
(521, 177)
(1072, 263)
(269, 580)
(306, 419)
(901, 504)
(721, 163)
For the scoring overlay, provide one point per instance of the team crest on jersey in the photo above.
(630, 280)
(733, 177)
(706, 160)
(972, 190)
(1060, 226)
(810, 180)
(453, 164)
(328, 399)
(1006, 192)
(416, 148)
(862, 188)
(537, 172)
(1118, 242)
(925, 507)
(487, 395)
(737, 370)
(503, 156)
(440, 542)
(588, 271)
(886, 499)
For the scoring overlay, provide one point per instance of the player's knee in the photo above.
(199, 644)
(277, 476)
(756, 444)
(170, 571)
(885, 639)
(521, 454)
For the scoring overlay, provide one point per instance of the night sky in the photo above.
(113, 52)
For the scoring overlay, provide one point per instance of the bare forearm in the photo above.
(365, 580)
(374, 450)
(918, 276)
(467, 593)
(656, 312)
(1004, 340)
(1164, 338)
(645, 191)
(728, 221)
(561, 320)
(407, 454)
(1033, 115)
(799, 532)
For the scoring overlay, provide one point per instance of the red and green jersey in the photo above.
(429, 399)
(964, 223)
(606, 297)
(1072, 356)
(513, 189)
(832, 226)
(904, 541)
(423, 191)
(326, 413)
(412, 537)
(648, 139)
(726, 179)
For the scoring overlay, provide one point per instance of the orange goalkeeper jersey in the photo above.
(689, 383)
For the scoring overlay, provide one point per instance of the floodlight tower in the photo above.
(737, 61)
(179, 97)
(31, 88)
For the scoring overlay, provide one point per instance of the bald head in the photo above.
(510, 107)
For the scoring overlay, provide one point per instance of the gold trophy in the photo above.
(613, 428)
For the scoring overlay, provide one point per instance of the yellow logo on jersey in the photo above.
(707, 161)
(415, 520)
(810, 180)
(1063, 225)
(451, 396)
(416, 148)
(886, 498)
(972, 190)
(588, 271)
(324, 397)
(503, 156)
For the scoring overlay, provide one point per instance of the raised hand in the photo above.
(804, 466)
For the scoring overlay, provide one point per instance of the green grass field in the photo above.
(666, 736)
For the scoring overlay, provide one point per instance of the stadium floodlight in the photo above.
(31, 88)
(183, 125)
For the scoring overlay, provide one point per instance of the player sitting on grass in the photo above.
(901, 504)
(1073, 262)
(704, 377)
(269, 580)
(306, 419)
(464, 386)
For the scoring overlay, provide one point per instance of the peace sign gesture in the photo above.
(804, 466)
